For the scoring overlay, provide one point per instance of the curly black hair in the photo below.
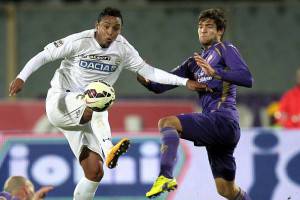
(108, 11)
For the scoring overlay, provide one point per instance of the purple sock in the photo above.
(170, 142)
(246, 196)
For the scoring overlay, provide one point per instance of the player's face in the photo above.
(107, 30)
(208, 33)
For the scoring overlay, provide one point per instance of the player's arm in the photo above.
(31, 66)
(154, 87)
(42, 192)
(53, 51)
(237, 72)
(160, 88)
(162, 81)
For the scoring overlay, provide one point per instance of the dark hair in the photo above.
(217, 15)
(108, 11)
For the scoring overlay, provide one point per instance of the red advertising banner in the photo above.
(129, 116)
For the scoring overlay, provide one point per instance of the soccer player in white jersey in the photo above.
(91, 55)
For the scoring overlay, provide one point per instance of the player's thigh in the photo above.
(64, 109)
(199, 128)
(80, 137)
(222, 161)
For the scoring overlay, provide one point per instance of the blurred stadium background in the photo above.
(165, 34)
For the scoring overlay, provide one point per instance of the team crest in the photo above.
(58, 43)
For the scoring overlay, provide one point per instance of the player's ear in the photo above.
(221, 33)
(97, 25)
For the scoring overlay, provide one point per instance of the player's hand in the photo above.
(194, 85)
(206, 67)
(15, 86)
(42, 192)
(142, 80)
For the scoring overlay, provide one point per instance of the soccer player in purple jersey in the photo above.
(222, 68)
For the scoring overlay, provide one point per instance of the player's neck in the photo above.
(207, 46)
(96, 36)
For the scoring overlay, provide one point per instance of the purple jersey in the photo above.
(231, 71)
(7, 196)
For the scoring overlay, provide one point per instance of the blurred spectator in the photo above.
(20, 188)
(7, 196)
(273, 113)
(289, 106)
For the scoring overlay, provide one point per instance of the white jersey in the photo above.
(86, 61)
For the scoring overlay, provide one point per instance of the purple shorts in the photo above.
(219, 134)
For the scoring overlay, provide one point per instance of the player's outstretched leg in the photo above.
(165, 181)
(116, 151)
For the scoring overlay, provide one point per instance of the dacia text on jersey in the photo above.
(87, 64)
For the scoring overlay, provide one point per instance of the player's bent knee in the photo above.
(170, 121)
(166, 122)
(94, 173)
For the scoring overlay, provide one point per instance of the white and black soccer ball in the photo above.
(99, 96)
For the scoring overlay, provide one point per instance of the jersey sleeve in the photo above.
(34, 64)
(181, 71)
(237, 71)
(132, 60)
(61, 48)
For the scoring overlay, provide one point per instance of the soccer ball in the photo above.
(99, 96)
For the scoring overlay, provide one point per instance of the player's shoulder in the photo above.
(189, 59)
(226, 46)
(87, 34)
(122, 41)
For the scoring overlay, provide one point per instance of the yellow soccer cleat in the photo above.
(116, 151)
(162, 184)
